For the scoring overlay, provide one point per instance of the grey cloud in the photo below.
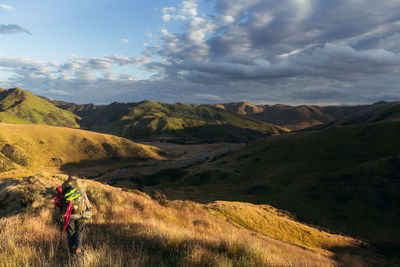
(12, 29)
(278, 27)
(275, 51)
(331, 61)
(268, 44)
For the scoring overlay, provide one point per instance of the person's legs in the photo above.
(79, 229)
(70, 234)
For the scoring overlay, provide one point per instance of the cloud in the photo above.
(6, 7)
(12, 29)
(187, 9)
(286, 51)
(58, 92)
(271, 43)
(207, 97)
(124, 41)
(331, 61)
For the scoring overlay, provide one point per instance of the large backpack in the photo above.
(75, 197)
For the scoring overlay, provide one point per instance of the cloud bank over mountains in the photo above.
(276, 51)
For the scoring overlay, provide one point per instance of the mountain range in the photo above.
(290, 117)
(186, 123)
(286, 118)
(173, 122)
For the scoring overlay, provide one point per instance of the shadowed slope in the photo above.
(290, 117)
(378, 112)
(345, 179)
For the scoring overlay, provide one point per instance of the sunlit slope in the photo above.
(19, 106)
(179, 122)
(344, 178)
(38, 145)
(275, 223)
(130, 229)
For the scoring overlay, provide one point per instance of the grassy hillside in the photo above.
(30, 146)
(290, 117)
(22, 107)
(174, 122)
(378, 112)
(345, 179)
(130, 229)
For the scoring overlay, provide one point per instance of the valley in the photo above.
(198, 182)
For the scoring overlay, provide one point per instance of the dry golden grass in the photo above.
(268, 220)
(131, 229)
(40, 145)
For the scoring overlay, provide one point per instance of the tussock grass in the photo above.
(271, 222)
(130, 229)
(343, 179)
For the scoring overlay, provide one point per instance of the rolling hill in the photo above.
(23, 107)
(345, 179)
(32, 146)
(150, 120)
(185, 123)
(290, 117)
(147, 120)
(378, 112)
(131, 229)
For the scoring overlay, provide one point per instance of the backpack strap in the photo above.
(67, 216)
(72, 194)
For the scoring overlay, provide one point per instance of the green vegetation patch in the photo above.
(22, 107)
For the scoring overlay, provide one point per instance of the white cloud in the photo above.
(198, 29)
(6, 7)
(58, 92)
(168, 9)
(189, 7)
(207, 97)
(166, 17)
(227, 19)
(124, 41)
(285, 55)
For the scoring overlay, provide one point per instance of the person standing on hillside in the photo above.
(76, 208)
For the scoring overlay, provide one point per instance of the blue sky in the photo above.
(86, 28)
(193, 51)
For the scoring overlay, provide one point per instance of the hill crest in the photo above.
(32, 146)
(20, 106)
(178, 122)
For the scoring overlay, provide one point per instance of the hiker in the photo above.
(75, 208)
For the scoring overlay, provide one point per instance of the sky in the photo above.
(336, 52)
